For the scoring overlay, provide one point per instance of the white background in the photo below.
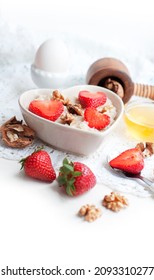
(33, 233)
(125, 23)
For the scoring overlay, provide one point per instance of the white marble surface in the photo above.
(39, 226)
(122, 23)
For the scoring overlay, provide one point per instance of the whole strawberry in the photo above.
(39, 166)
(76, 178)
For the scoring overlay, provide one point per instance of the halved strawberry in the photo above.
(96, 119)
(89, 99)
(48, 109)
(130, 161)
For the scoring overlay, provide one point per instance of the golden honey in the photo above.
(139, 119)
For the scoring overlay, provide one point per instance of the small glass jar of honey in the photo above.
(139, 119)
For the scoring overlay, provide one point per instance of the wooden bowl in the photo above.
(105, 68)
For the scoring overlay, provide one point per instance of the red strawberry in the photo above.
(39, 166)
(76, 178)
(96, 119)
(88, 99)
(130, 161)
(48, 109)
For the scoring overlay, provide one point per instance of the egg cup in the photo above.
(45, 79)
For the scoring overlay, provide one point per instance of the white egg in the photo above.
(52, 56)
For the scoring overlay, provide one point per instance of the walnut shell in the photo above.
(15, 134)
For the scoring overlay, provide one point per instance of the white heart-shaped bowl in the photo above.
(64, 137)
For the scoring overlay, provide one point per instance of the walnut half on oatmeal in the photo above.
(114, 201)
(75, 109)
(66, 118)
(58, 96)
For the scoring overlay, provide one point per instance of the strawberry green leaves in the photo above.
(67, 176)
(75, 177)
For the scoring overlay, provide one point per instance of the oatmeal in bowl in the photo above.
(75, 119)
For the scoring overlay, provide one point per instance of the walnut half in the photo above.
(90, 212)
(114, 201)
(67, 118)
(58, 96)
(115, 86)
(15, 134)
(147, 148)
(75, 109)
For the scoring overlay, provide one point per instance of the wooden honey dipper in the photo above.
(111, 73)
